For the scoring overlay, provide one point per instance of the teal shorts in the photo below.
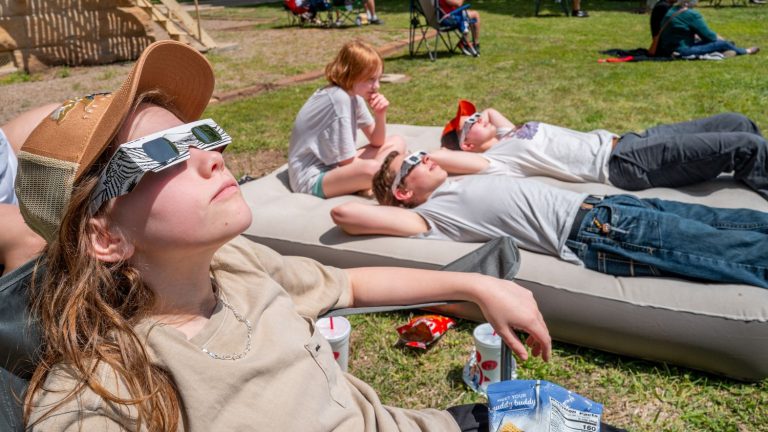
(317, 189)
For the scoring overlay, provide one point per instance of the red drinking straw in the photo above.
(331, 318)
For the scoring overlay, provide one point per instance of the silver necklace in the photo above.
(243, 320)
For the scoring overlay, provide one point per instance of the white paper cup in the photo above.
(487, 355)
(338, 337)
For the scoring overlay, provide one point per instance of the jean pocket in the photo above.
(321, 352)
(618, 265)
(633, 228)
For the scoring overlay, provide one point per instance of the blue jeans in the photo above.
(691, 152)
(700, 48)
(624, 235)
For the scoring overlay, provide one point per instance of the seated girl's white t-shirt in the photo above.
(324, 134)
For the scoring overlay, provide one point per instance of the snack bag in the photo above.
(540, 406)
(422, 331)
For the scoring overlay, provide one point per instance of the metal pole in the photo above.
(199, 30)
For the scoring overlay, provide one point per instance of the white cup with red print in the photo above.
(336, 331)
(487, 355)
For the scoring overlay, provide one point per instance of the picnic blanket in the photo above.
(619, 55)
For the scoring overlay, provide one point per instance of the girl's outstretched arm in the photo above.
(505, 304)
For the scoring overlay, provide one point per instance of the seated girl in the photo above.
(322, 158)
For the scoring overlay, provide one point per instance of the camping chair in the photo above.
(348, 12)
(563, 3)
(427, 15)
(20, 338)
(309, 12)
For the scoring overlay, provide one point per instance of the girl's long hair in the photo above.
(87, 310)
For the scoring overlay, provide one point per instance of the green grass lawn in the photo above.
(540, 69)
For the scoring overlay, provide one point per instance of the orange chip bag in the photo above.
(422, 331)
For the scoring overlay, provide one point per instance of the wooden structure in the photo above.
(177, 23)
(35, 34)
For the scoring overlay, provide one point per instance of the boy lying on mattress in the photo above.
(622, 235)
(671, 155)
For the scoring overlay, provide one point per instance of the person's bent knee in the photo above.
(369, 167)
(744, 122)
(396, 143)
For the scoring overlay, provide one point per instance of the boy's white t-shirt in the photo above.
(541, 149)
(8, 167)
(478, 208)
(324, 134)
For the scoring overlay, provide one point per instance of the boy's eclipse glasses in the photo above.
(468, 123)
(408, 164)
(155, 153)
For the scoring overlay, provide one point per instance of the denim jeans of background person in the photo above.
(686, 153)
(624, 235)
(701, 48)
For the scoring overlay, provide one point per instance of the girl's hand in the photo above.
(378, 103)
(509, 307)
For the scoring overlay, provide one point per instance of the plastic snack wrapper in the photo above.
(540, 406)
(422, 331)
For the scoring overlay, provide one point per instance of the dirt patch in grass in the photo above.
(255, 164)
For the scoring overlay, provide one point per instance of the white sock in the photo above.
(368, 13)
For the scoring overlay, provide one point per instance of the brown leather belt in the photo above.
(586, 206)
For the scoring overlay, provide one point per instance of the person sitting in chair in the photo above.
(473, 22)
(671, 155)
(620, 235)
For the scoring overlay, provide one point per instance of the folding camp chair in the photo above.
(427, 15)
(348, 12)
(308, 12)
(20, 337)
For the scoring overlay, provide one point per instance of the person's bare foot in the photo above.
(753, 50)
